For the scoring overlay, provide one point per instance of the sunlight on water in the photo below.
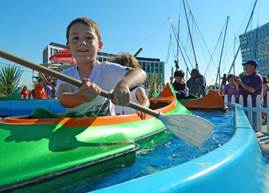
(174, 151)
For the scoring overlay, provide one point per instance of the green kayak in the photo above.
(48, 153)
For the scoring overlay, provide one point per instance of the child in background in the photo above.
(179, 84)
(84, 40)
(138, 94)
(231, 88)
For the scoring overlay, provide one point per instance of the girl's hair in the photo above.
(86, 21)
(179, 73)
(126, 59)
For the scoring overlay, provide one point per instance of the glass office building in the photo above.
(255, 45)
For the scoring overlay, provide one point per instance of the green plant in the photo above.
(155, 79)
(9, 79)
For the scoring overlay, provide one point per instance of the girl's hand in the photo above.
(89, 90)
(121, 94)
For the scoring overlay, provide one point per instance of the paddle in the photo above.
(193, 129)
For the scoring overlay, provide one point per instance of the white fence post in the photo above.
(248, 108)
(254, 114)
(258, 112)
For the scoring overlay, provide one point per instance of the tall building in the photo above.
(154, 67)
(255, 45)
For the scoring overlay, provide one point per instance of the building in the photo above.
(152, 66)
(255, 45)
(51, 49)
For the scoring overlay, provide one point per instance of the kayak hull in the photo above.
(39, 150)
(212, 101)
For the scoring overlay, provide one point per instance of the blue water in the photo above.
(173, 152)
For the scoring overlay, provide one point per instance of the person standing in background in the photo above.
(40, 92)
(250, 84)
(25, 93)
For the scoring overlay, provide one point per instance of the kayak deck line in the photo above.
(170, 103)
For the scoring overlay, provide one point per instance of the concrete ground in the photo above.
(263, 138)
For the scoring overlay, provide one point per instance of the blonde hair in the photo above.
(126, 59)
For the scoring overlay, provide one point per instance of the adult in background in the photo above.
(250, 84)
(196, 84)
(40, 92)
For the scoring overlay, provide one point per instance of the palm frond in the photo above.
(10, 77)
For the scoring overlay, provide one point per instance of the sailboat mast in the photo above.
(178, 43)
(221, 53)
(177, 56)
(189, 30)
(236, 54)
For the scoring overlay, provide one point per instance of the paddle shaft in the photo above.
(68, 79)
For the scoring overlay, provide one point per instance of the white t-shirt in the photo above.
(106, 75)
(123, 110)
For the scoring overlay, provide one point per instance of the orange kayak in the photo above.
(213, 100)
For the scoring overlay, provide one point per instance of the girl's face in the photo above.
(84, 43)
(178, 79)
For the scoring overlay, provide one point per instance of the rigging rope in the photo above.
(179, 44)
(150, 35)
(200, 33)
(168, 50)
(215, 48)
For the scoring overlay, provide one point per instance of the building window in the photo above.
(161, 68)
(152, 67)
(147, 68)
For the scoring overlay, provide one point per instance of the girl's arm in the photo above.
(121, 93)
(142, 97)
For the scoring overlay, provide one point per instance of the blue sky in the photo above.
(27, 26)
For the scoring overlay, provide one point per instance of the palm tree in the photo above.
(9, 79)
